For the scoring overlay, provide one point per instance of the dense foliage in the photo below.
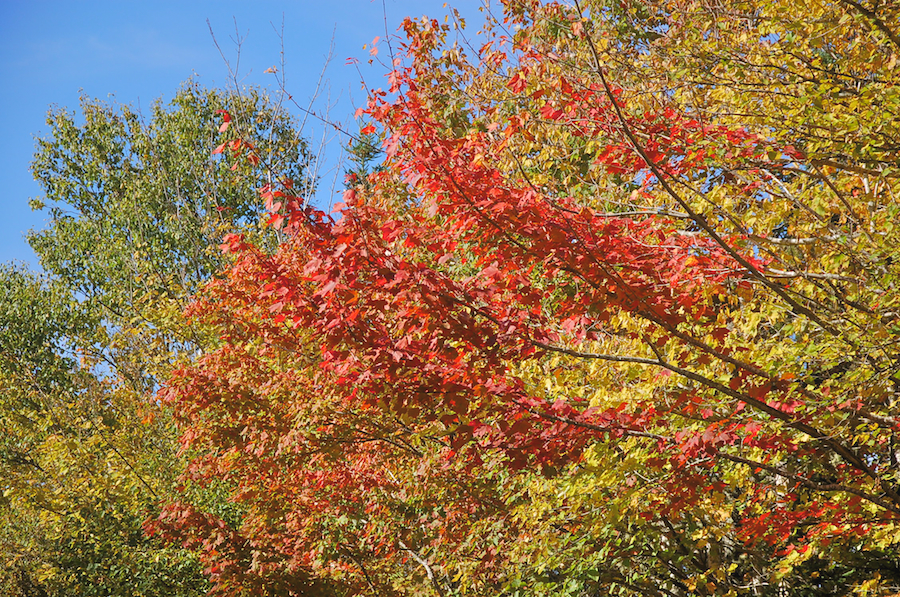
(617, 314)
(86, 454)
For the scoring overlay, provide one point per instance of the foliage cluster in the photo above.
(86, 453)
(617, 314)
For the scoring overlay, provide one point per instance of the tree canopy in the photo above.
(616, 314)
(87, 453)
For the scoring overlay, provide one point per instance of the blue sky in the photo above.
(51, 51)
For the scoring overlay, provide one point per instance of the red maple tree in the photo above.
(367, 407)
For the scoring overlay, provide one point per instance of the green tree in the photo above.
(137, 209)
(141, 206)
(363, 154)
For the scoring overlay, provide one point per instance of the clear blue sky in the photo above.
(51, 51)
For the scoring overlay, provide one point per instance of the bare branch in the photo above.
(424, 563)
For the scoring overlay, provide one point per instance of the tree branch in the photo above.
(874, 18)
(422, 562)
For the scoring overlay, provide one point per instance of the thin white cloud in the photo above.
(125, 51)
(147, 49)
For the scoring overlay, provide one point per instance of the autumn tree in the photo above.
(134, 203)
(619, 314)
